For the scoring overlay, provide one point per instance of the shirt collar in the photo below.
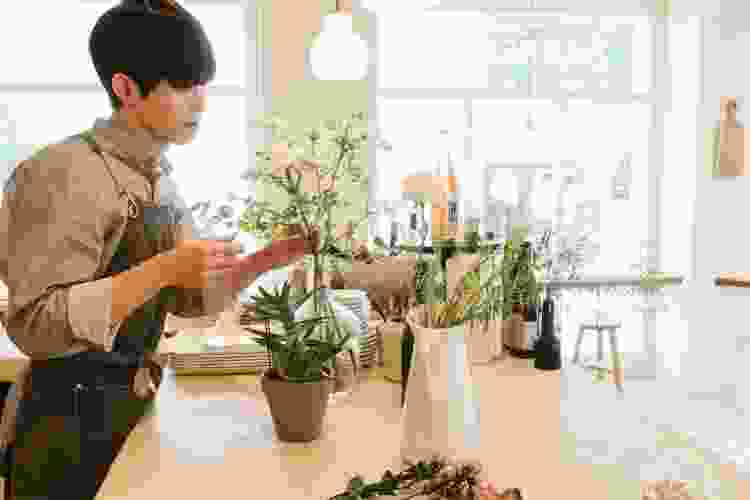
(135, 147)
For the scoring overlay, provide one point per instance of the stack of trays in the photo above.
(208, 356)
(370, 353)
(197, 356)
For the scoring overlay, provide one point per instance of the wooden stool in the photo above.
(600, 327)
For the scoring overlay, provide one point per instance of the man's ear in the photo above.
(125, 89)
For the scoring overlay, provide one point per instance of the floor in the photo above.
(650, 433)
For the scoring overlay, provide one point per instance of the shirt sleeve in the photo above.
(56, 229)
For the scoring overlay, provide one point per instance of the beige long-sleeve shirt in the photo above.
(62, 218)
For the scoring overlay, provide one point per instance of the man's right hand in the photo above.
(196, 262)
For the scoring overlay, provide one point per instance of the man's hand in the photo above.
(194, 262)
(280, 253)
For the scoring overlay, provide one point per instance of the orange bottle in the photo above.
(445, 215)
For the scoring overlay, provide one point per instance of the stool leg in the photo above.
(599, 345)
(579, 340)
(617, 366)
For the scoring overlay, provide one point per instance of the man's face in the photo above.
(171, 115)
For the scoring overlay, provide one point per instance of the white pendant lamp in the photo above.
(338, 53)
(385, 6)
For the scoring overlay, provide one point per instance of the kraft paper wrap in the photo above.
(384, 279)
(441, 413)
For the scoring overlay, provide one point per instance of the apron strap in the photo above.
(88, 138)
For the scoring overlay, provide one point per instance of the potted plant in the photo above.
(299, 382)
(521, 271)
(311, 169)
(392, 308)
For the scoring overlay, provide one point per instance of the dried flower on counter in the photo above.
(666, 490)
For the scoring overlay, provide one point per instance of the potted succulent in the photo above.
(299, 382)
(521, 271)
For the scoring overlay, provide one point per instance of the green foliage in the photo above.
(472, 242)
(519, 276)
(297, 354)
(332, 153)
(337, 147)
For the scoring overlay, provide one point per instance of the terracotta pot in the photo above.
(297, 408)
(513, 332)
(391, 333)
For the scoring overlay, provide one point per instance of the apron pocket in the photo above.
(105, 409)
(107, 414)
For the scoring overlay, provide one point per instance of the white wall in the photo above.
(714, 368)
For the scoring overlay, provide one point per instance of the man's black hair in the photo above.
(151, 41)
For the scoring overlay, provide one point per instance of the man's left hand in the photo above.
(280, 253)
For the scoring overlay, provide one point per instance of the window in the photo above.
(530, 87)
(587, 134)
(51, 90)
(62, 56)
(538, 88)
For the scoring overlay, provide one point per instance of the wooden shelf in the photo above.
(741, 280)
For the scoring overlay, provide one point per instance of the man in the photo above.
(100, 248)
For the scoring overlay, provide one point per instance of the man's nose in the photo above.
(199, 94)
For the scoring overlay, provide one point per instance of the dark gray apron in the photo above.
(78, 410)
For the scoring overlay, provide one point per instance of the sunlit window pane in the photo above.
(63, 56)
(38, 48)
(225, 28)
(433, 50)
(206, 169)
(50, 117)
(502, 136)
(517, 54)
(210, 167)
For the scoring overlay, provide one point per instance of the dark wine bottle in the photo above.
(532, 326)
(547, 355)
(532, 313)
